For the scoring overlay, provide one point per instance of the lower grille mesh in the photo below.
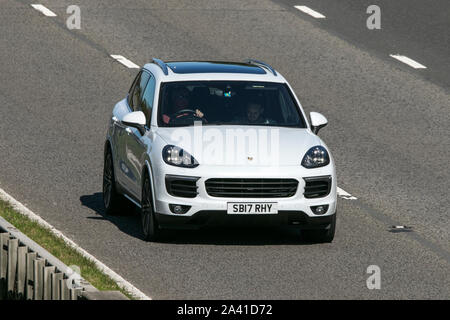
(181, 186)
(317, 187)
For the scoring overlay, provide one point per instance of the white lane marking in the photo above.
(121, 282)
(408, 61)
(345, 195)
(125, 61)
(401, 227)
(44, 10)
(310, 11)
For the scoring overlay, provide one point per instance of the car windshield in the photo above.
(228, 103)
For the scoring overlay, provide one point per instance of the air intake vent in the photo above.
(182, 186)
(317, 187)
(251, 188)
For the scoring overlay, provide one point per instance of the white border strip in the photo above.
(310, 11)
(410, 62)
(44, 10)
(121, 282)
(125, 61)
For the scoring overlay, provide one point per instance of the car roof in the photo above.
(213, 70)
(214, 67)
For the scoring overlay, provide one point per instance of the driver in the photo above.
(179, 100)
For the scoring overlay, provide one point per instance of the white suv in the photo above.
(199, 143)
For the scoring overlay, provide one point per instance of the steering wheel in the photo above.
(187, 112)
(190, 111)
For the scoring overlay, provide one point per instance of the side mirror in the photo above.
(135, 120)
(318, 121)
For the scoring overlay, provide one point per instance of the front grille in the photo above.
(317, 187)
(251, 188)
(182, 186)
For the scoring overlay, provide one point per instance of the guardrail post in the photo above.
(13, 244)
(4, 237)
(48, 272)
(31, 256)
(21, 271)
(28, 271)
(75, 293)
(56, 290)
(65, 294)
(38, 271)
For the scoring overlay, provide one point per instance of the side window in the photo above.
(133, 85)
(147, 99)
(138, 90)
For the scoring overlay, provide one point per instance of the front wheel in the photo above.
(112, 200)
(321, 235)
(150, 226)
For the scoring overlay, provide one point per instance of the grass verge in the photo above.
(58, 248)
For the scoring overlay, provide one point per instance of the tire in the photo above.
(113, 201)
(150, 227)
(321, 235)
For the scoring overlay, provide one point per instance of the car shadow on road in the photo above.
(235, 236)
(126, 221)
(129, 223)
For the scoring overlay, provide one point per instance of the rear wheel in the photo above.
(112, 200)
(150, 227)
(321, 235)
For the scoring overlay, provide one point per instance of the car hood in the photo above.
(254, 145)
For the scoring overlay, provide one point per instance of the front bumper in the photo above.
(220, 218)
(205, 209)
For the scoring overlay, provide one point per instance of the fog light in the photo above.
(178, 208)
(320, 209)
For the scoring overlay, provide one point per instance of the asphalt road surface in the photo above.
(388, 131)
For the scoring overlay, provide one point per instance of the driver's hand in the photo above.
(199, 113)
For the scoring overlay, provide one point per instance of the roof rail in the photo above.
(260, 63)
(162, 65)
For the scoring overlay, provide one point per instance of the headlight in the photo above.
(176, 156)
(316, 157)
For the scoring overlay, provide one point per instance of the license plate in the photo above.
(252, 208)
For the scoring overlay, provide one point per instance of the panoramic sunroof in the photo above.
(214, 67)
